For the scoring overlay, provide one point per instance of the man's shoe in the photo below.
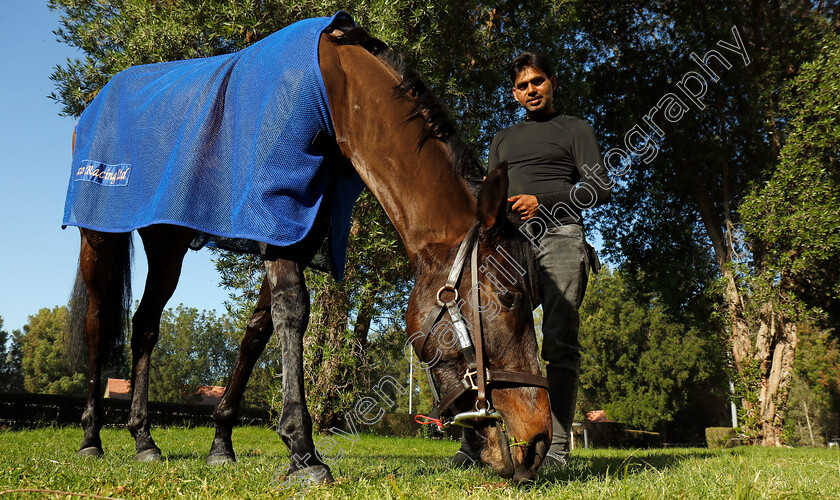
(464, 461)
(470, 453)
(554, 460)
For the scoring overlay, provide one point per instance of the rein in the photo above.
(477, 376)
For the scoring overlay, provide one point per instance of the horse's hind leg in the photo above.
(165, 247)
(257, 333)
(290, 314)
(104, 260)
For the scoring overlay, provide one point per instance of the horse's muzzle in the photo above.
(519, 459)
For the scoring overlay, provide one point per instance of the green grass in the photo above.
(382, 468)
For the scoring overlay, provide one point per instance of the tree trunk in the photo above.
(769, 341)
(771, 350)
(775, 349)
(335, 362)
(325, 356)
(808, 421)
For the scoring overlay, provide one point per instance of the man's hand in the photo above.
(525, 204)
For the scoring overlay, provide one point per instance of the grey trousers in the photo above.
(564, 262)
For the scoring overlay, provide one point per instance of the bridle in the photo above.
(477, 376)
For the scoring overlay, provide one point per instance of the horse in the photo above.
(472, 321)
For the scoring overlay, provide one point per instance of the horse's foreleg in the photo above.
(165, 248)
(290, 314)
(257, 333)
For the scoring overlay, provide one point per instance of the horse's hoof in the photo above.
(150, 455)
(318, 474)
(220, 459)
(90, 451)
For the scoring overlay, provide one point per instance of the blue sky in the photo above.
(37, 258)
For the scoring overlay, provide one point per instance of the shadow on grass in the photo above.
(582, 469)
(625, 463)
(375, 466)
(183, 457)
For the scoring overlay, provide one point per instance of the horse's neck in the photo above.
(427, 203)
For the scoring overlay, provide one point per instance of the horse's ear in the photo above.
(492, 199)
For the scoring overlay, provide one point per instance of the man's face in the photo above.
(534, 91)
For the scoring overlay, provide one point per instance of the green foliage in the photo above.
(638, 363)
(117, 34)
(45, 365)
(721, 437)
(792, 217)
(747, 387)
(11, 377)
(814, 404)
(242, 275)
(194, 348)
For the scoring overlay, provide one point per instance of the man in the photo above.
(555, 169)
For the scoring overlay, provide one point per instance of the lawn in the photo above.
(381, 468)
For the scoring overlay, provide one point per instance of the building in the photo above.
(210, 394)
(118, 388)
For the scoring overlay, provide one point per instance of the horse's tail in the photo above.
(117, 309)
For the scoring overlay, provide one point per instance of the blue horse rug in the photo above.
(220, 144)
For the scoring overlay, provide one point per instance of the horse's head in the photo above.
(471, 310)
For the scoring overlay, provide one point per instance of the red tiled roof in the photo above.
(598, 417)
(118, 388)
(210, 394)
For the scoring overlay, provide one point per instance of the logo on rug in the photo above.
(101, 173)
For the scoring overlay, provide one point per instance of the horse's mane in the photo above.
(426, 106)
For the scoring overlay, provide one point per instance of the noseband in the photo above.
(477, 376)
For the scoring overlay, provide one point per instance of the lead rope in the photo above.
(426, 420)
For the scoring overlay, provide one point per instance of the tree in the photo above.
(376, 286)
(44, 362)
(790, 220)
(640, 364)
(791, 217)
(676, 221)
(11, 378)
(194, 348)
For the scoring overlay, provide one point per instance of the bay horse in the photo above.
(403, 145)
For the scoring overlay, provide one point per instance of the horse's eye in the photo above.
(509, 299)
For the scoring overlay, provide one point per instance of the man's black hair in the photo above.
(530, 58)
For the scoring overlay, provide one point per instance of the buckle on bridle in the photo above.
(468, 376)
(447, 288)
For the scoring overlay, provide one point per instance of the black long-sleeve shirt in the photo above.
(547, 158)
